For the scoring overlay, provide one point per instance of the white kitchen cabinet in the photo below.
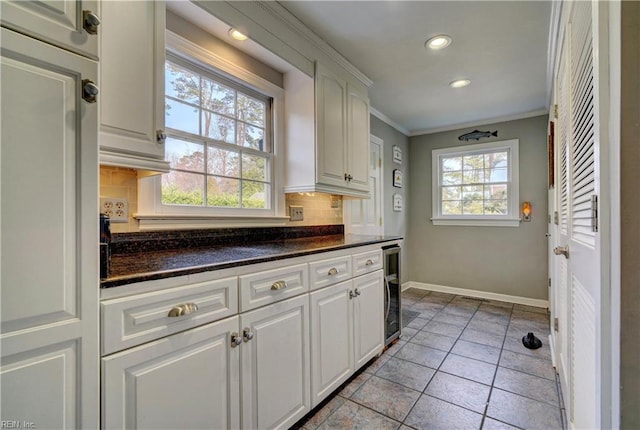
(327, 128)
(342, 132)
(368, 317)
(275, 364)
(70, 24)
(347, 330)
(188, 380)
(49, 371)
(358, 137)
(130, 321)
(132, 53)
(331, 339)
(331, 133)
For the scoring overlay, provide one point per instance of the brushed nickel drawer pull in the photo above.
(182, 310)
(278, 285)
(369, 263)
(332, 271)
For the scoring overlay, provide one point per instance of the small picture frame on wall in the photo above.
(397, 154)
(397, 202)
(397, 178)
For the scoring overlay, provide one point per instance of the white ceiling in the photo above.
(501, 46)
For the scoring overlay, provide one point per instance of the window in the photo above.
(476, 184)
(218, 144)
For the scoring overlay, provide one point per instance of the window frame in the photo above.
(154, 214)
(511, 219)
(208, 142)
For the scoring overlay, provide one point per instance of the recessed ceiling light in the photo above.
(459, 83)
(438, 42)
(237, 35)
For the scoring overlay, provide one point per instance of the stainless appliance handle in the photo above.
(386, 285)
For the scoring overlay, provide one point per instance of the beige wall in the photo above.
(505, 260)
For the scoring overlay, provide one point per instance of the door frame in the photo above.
(346, 216)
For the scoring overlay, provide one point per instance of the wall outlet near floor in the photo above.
(296, 213)
(116, 208)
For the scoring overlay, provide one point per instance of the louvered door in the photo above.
(561, 231)
(578, 272)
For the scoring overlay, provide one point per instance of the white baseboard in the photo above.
(479, 294)
(553, 353)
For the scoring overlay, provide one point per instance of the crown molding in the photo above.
(382, 117)
(495, 120)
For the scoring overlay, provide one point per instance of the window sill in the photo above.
(507, 222)
(150, 222)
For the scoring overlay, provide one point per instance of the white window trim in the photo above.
(512, 219)
(152, 211)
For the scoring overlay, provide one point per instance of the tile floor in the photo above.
(459, 365)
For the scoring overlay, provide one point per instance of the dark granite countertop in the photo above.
(139, 265)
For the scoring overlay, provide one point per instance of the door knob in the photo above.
(247, 334)
(562, 250)
(236, 340)
(90, 22)
(89, 90)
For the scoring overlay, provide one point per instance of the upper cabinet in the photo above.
(68, 24)
(342, 134)
(334, 159)
(132, 53)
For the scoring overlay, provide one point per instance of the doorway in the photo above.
(364, 216)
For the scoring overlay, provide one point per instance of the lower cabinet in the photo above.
(368, 317)
(200, 377)
(187, 380)
(275, 364)
(347, 330)
(265, 368)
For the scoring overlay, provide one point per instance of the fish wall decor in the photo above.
(477, 135)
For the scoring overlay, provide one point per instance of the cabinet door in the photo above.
(368, 317)
(331, 339)
(358, 139)
(185, 381)
(132, 77)
(56, 22)
(48, 239)
(331, 109)
(275, 364)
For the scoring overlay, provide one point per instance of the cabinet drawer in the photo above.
(132, 320)
(270, 286)
(327, 272)
(366, 262)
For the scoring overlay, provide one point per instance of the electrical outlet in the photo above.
(117, 209)
(296, 213)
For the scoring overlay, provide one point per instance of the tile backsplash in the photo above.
(120, 182)
(319, 208)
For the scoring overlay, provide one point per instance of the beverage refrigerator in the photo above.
(393, 292)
